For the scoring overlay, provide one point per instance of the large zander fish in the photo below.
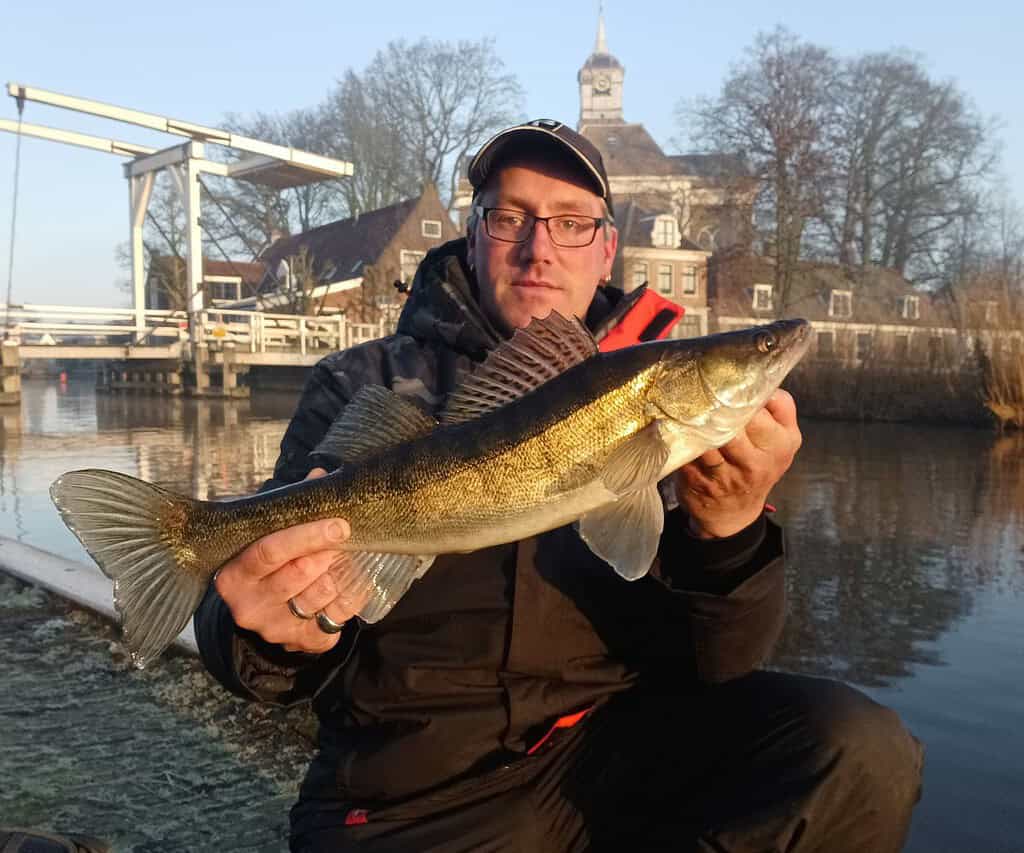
(545, 432)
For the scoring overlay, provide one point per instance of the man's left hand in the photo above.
(724, 490)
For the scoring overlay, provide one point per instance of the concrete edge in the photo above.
(79, 582)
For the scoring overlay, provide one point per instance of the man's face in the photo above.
(519, 281)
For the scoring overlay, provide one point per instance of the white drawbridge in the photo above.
(275, 166)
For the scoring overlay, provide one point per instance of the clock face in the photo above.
(602, 84)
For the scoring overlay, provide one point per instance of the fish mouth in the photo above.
(792, 337)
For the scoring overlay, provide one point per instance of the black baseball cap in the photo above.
(542, 131)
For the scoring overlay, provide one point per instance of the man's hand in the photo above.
(288, 564)
(725, 490)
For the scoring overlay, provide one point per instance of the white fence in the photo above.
(252, 331)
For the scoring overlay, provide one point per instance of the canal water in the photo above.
(906, 578)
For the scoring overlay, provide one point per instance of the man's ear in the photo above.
(611, 244)
(470, 246)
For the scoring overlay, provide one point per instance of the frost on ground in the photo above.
(161, 759)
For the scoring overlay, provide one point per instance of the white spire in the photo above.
(601, 46)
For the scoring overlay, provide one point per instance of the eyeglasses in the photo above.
(570, 231)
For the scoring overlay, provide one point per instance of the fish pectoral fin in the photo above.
(625, 534)
(375, 419)
(637, 463)
(373, 582)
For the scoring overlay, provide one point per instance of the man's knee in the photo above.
(868, 742)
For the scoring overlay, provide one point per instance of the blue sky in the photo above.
(198, 62)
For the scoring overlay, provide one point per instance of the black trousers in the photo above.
(769, 762)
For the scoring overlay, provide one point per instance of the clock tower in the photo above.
(600, 81)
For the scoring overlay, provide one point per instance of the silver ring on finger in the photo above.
(298, 612)
(327, 624)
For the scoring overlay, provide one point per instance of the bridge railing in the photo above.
(262, 332)
(254, 331)
(72, 324)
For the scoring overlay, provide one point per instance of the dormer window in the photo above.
(840, 304)
(666, 232)
(430, 228)
(763, 297)
(910, 308)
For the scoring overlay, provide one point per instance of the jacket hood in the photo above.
(444, 304)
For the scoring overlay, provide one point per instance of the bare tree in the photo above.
(369, 138)
(304, 276)
(441, 101)
(775, 111)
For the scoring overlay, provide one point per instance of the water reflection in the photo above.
(894, 531)
(208, 449)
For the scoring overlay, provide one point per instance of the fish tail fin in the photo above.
(135, 531)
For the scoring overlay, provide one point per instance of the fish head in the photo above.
(743, 368)
(727, 375)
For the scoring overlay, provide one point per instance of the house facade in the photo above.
(223, 282)
(360, 265)
(865, 317)
(652, 251)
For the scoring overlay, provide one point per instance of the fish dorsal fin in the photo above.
(375, 419)
(532, 356)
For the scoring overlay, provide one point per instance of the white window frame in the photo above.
(662, 269)
(910, 308)
(640, 274)
(760, 289)
(845, 296)
(434, 231)
(665, 234)
(409, 259)
(689, 283)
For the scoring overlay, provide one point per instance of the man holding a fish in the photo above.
(597, 685)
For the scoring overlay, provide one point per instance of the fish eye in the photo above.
(766, 342)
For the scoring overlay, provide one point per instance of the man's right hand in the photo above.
(288, 564)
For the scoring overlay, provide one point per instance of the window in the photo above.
(639, 275)
(225, 289)
(410, 261)
(430, 228)
(864, 340)
(934, 351)
(707, 239)
(666, 232)
(901, 347)
(840, 304)
(826, 344)
(762, 297)
(665, 278)
(990, 312)
(910, 308)
(689, 280)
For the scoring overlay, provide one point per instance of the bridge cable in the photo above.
(20, 98)
(239, 234)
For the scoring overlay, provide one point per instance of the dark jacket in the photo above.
(490, 647)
